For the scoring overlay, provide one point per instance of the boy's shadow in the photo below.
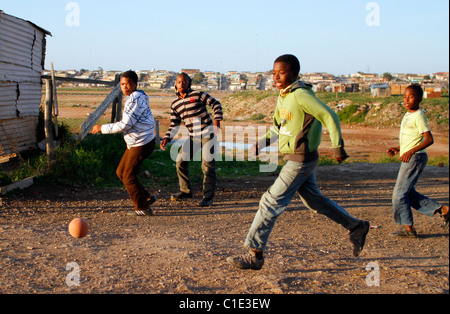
(431, 236)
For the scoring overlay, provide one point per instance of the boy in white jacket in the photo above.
(138, 126)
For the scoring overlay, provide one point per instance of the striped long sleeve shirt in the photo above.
(192, 110)
(138, 124)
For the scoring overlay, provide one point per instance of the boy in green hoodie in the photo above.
(298, 121)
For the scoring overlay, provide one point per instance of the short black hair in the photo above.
(132, 76)
(187, 77)
(292, 61)
(417, 89)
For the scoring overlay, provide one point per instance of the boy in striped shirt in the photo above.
(191, 108)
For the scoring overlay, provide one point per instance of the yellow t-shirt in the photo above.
(414, 125)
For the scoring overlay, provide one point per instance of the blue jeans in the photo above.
(294, 178)
(405, 195)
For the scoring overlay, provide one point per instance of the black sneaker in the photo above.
(358, 237)
(141, 213)
(151, 200)
(246, 261)
(181, 196)
(206, 202)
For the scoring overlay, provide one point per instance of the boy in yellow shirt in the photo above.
(415, 138)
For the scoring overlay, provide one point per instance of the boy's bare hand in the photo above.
(342, 159)
(406, 157)
(164, 144)
(217, 129)
(97, 129)
(393, 151)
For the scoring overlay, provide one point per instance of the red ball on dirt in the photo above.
(79, 228)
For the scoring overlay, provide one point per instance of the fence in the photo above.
(78, 107)
(81, 120)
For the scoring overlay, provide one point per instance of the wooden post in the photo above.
(116, 115)
(48, 119)
(115, 102)
(158, 137)
(114, 111)
(119, 107)
(55, 102)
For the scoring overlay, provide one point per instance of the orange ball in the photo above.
(78, 228)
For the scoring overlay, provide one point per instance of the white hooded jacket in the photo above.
(138, 123)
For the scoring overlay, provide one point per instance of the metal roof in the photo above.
(22, 44)
(34, 25)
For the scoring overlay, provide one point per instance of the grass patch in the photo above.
(93, 164)
(350, 114)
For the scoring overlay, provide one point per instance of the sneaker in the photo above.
(358, 237)
(151, 200)
(181, 196)
(206, 202)
(405, 234)
(142, 213)
(246, 261)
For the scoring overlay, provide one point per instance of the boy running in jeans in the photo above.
(415, 137)
(298, 123)
(138, 127)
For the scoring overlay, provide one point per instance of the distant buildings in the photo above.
(239, 81)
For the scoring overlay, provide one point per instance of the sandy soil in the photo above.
(182, 250)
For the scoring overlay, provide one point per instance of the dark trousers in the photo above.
(128, 170)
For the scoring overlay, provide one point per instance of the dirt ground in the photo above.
(183, 249)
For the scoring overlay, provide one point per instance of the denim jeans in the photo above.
(294, 178)
(405, 195)
(187, 153)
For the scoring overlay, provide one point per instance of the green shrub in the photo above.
(4, 179)
(257, 117)
(350, 114)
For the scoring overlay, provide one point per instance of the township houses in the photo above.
(381, 90)
(22, 59)
(155, 79)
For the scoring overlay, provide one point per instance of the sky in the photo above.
(335, 36)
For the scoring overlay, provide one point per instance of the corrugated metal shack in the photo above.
(381, 90)
(22, 59)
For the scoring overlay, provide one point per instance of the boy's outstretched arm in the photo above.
(175, 121)
(330, 120)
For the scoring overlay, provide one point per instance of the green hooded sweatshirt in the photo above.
(298, 121)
